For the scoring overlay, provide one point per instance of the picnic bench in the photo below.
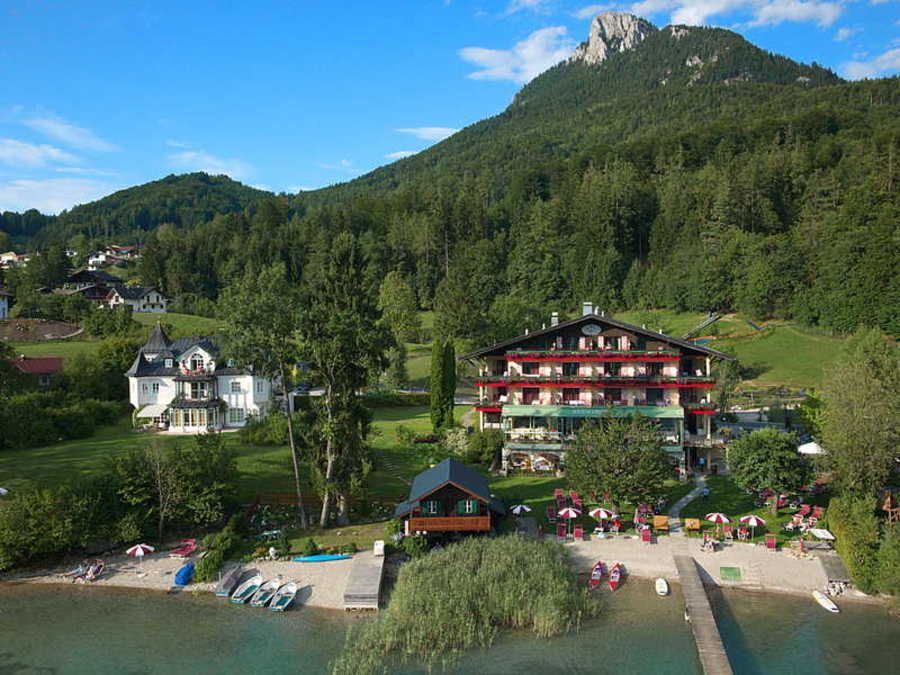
(661, 523)
(692, 524)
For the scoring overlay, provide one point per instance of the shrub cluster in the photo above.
(853, 522)
(38, 418)
(394, 399)
(461, 597)
(220, 547)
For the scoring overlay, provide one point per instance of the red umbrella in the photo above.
(754, 522)
(139, 551)
(568, 512)
(601, 513)
(717, 518)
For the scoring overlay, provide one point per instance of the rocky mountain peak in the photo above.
(612, 32)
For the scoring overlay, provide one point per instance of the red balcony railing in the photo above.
(593, 355)
(594, 381)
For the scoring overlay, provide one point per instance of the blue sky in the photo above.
(295, 95)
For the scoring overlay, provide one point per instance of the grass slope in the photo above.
(182, 324)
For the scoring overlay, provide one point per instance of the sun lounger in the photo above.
(579, 533)
(616, 526)
(573, 495)
(561, 532)
(188, 546)
(743, 534)
(804, 510)
(661, 523)
(558, 492)
(771, 543)
(551, 513)
(646, 536)
(818, 512)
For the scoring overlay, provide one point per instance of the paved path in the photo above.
(675, 511)
(712, 653)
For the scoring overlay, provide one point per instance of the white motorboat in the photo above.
(231, 578)
(662, 587)
(266, 591)
(247, 589)
(826, 602)
(284, 597)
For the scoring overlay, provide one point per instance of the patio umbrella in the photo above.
(717, 518)
(601, 514)
(139, 551)
(568, 513)
(519, 509)
(3, 491)
(753, 522)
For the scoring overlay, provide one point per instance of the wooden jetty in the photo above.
(712, 653)
(364, 585)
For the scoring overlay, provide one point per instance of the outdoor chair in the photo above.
(771, 543)
(818, 512)
(573, 495)
(692, 524)
(616, 526)
(579, 533)
(804, 510)
(812, 522)
(729, 533)
(743, 534)
(561, 533)
(646, 536)
(558, 492)
(551, 513)
(661, 524)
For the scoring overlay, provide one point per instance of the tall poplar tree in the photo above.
(437, 385)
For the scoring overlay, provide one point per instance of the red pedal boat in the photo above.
(615, 577)
(597, 573)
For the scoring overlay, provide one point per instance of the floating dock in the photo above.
(712, 653)
(364, 585)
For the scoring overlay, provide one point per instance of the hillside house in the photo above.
(5, 299)
(141, 298)
(39, 371)
(449, 497)
(182, 385)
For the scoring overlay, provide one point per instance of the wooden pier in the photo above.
(712, 653)
(364, 585)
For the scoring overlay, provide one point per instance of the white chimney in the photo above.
(554, 318)
(526, 331)
(587, 308)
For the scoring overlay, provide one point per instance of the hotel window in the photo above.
(612, 343)
(235, 387)
(530, 368)
(570, 394)
(530, 395)
(431, 508)
(235, 416)
(570, 368)
(467, 507)
(612, 369)
(571, 343)
(656, 369)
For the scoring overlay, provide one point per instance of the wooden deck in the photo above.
(712, 653)
(364, 585)
(450, 524)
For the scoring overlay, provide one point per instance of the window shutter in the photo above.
(461, 506)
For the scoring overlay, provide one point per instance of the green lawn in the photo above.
(64, 348)
(182, 324)
(672, 323)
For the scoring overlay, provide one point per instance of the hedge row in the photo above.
(38, 418)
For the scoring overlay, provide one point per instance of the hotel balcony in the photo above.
(626, 381)
(594, 355)
(699, 408)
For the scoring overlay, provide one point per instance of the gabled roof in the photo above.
(95, 275)
(594, 318)
(43, 365)
(447, 472)
(132, 292)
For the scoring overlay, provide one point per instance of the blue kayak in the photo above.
(324, 557)
(184, 575)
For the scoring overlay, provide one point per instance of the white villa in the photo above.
(179, 385)
(141, 298)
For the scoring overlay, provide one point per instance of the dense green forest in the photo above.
(695, 172)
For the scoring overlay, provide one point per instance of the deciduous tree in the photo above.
(767, 459)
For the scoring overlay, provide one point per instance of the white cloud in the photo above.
(844, 33)
(172, 143)
(200, 160)
(345, 165)
(538, 6)
(778, 11)
(82, 171)
(69, 134)
(429, 133)
(400, 154)
(263, 186)
(589, 12)
(51, 195)
(762, 12)
(28, 155)
(527, 59)
(887, 63)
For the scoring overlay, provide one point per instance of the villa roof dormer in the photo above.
(158, 342)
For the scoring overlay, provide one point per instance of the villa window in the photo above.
(196, 362)
(259, 386)
(431, 508)
(235, 387)
(235, 416)
(198, 390)
(467, 507)
(155, 387)
(145, 388)
(168, 363)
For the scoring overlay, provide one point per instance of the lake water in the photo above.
(76, 629)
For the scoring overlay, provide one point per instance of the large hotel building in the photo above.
(540, 387)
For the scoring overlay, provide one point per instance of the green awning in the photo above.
(656, 411)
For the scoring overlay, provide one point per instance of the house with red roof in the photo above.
(40, 369)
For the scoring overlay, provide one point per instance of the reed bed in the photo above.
(462, 597)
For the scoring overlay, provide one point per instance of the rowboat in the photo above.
(246, 590)
(230, 579)
(615, 576)
(322, 557)
(284, 597)
(266, 591)
(597, 572)
(826, 602)
(662, 587)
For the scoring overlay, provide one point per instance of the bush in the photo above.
(888, 577)
(853, 522)
(484, 447)
(456, 441)
(415, 547)
(208, 567)
(395, 399)
(309, 547)
(348, 549)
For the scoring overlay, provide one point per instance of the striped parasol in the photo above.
(139, 551)
(601, 513)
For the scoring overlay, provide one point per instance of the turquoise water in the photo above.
(76, 629)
